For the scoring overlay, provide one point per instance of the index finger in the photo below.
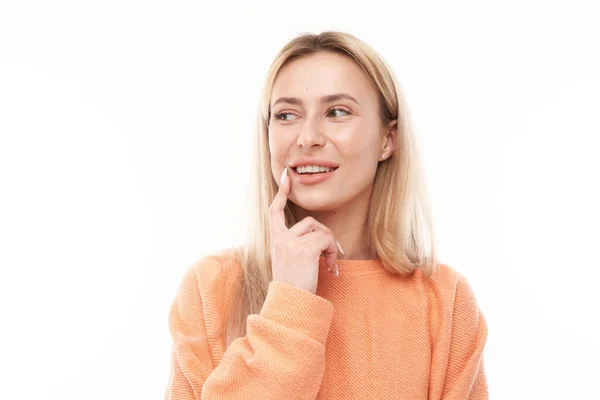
(276, 214)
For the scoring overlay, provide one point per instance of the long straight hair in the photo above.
(399, 223)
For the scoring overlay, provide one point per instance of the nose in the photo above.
(310, 134)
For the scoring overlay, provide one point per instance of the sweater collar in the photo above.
(354, 267)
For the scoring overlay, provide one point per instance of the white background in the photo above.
(125, 131)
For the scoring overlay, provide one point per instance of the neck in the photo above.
(348, 224)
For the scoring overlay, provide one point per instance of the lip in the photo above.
(308, 179)
(312, 161)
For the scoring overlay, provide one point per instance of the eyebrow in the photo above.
(325, 99)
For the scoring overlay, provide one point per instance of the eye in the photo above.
(337, 111)
(284, 116)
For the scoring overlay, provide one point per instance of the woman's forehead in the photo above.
(321, 74)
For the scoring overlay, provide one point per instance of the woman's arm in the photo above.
(282, 356)
(465, 375)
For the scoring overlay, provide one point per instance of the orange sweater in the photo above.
(367, 334)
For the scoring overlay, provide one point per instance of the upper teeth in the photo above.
(312, 168)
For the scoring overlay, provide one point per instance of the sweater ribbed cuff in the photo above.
(298, 309)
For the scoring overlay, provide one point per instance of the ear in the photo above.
(389, 139)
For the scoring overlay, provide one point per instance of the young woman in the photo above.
(338, 294)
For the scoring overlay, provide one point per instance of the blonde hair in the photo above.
(399, 221)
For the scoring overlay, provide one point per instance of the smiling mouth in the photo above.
(311, 172)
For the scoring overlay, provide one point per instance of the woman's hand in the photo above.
(295, 252)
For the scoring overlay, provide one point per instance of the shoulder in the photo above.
(452, 305)
(451, 287)
(448, 279)
(205, 292)
(212, 273)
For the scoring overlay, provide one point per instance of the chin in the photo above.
(315, 202)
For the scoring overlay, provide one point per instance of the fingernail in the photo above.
(340, 247)
(337, 271)
(329, 269)
(283, 176)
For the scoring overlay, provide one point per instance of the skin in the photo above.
(348, 133)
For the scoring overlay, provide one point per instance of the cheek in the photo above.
(279, 147)
(357, 143)
(275, 144)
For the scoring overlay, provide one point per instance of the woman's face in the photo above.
(325, 109)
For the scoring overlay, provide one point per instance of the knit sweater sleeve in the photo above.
(282, 355)
(465, 376)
